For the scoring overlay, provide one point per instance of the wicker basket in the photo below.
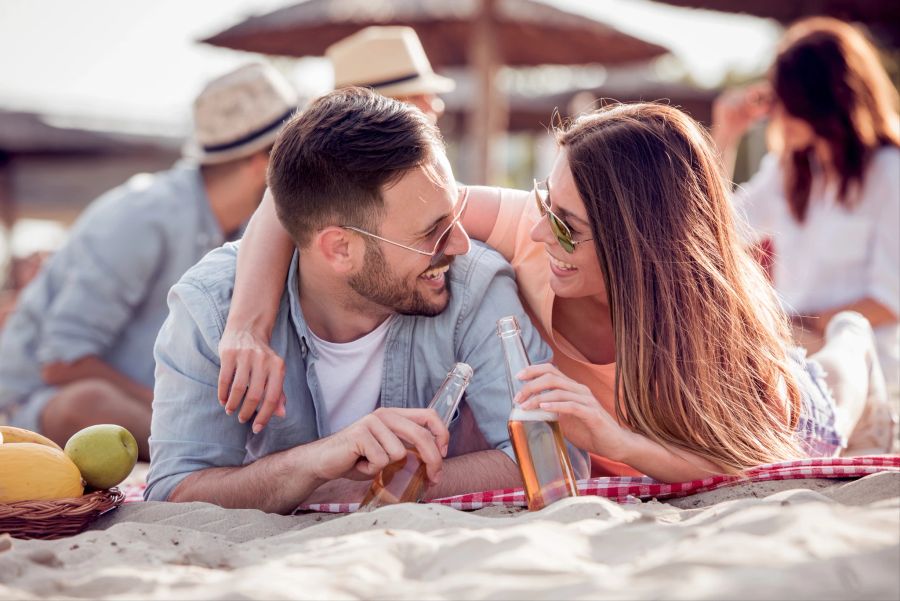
(56, 519)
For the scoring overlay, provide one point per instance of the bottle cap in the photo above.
(463, 370)
(507, 326)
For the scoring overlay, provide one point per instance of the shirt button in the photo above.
(304, 349)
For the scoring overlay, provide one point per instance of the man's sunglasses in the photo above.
(559, 228)
(440, 245)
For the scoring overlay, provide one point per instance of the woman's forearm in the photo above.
(877, 314)
(664, 463)
(481, 214)
(262, 264)
(727, 144)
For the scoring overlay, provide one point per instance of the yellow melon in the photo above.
(10, 434)
(37, 472)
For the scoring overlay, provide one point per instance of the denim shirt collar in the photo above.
(296, 313)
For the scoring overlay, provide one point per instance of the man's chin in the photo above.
(429, 304)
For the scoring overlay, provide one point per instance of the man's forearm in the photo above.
(60, 374)
(476, 472)
(274, 484)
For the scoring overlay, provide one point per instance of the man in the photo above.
(390, 61)
(383, 297)
(78, 350)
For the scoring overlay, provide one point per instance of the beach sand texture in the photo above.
(811, 539)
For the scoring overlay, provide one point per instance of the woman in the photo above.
(828, 196)
(672, 355)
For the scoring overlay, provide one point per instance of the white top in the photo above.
(349, 375)
(835, 256)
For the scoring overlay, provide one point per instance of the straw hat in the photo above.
(390, 60)
(240, 113)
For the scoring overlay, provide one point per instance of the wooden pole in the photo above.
(489, 114)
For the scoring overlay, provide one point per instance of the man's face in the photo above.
(417, 210)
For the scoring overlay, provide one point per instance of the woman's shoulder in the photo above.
(882, 178)
(886, 159)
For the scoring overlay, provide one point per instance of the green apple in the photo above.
(105, 454)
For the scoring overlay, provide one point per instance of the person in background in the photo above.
(78, 349)
(827, 197)
(391, 62)
(23, 270)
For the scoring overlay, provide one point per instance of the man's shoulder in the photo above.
(148, 197)
(479, 280)
(211, 279)
(478, 268)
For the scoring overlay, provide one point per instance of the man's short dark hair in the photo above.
(332, 161)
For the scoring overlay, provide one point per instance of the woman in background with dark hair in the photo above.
(828, 194)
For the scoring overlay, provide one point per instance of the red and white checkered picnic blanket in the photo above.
(624, 489)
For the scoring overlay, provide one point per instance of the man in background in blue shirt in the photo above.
(384, 295)
(78, 350)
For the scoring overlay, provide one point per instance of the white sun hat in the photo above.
(390, 60)
(240, 113)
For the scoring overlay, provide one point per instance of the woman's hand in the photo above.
(251, 377)
(584, 422)
(737, 109)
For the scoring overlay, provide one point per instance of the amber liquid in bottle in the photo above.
(404, 481)
(540, 448)
(543, 461)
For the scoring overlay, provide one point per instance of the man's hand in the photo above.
(367, 446)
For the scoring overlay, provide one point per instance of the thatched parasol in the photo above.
(484, 34)
(882, 17)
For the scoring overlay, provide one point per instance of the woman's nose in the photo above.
(540, 231)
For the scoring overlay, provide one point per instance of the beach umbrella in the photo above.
(482, 34)
(882, 17)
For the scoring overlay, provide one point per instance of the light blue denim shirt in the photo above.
(104, 293)
(191, 432)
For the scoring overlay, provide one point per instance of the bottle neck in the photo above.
(516, 361)
(448, 396)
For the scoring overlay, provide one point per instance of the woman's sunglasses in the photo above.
(559, 228)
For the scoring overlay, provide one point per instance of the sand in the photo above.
(812, 539)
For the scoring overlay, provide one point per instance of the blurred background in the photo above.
(96, 91)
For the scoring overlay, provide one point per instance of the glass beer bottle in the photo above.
(536, 438)
(404, 481)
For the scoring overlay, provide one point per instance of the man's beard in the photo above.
(377, 284)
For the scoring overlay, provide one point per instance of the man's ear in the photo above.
(339, 249)
(259, 163)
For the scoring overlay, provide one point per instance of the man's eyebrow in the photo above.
(433, 225)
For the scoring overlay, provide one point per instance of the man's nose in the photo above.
(459, 242)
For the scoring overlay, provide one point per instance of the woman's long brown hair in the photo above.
(701, 343)
(827, 74)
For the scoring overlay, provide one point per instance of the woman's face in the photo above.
(795, 134)
(576, 274)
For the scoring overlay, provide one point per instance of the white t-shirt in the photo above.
(835, 256)
(349, 375)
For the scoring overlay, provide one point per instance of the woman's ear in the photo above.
(338, 249)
